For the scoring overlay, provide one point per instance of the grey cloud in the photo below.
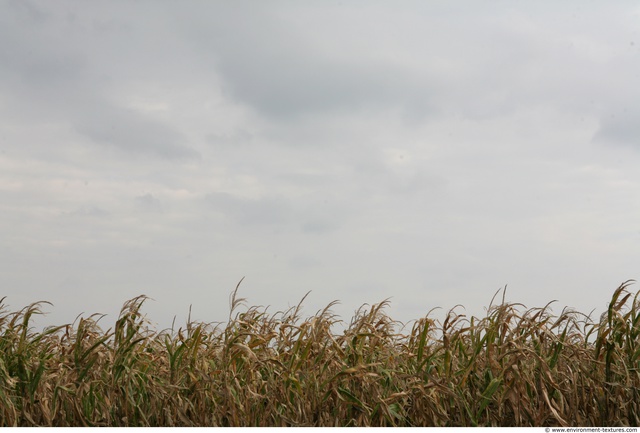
(148, 203)
(267, 63)
(89, 211)
(132, 132)
(297, 84)
(620, 127)
(319, 226)
(261, 211)
(416, 144)
(417, 181)
(303, 261)
(26, 10)
(286, 65)
(41, 73)
(52, 73)
(56, 87)
(239, 137)
(311, 217)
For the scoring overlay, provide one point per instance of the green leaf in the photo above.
(488, 394)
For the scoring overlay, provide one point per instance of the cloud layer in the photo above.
(427, 152)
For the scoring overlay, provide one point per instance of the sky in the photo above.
(430, 152)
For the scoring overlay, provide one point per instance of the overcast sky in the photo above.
(430, 152)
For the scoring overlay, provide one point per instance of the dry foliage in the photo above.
(514, 367)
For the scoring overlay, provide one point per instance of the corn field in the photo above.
(514, 367)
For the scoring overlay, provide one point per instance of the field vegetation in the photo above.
(513, 367)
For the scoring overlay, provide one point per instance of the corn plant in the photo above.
(513, 367)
